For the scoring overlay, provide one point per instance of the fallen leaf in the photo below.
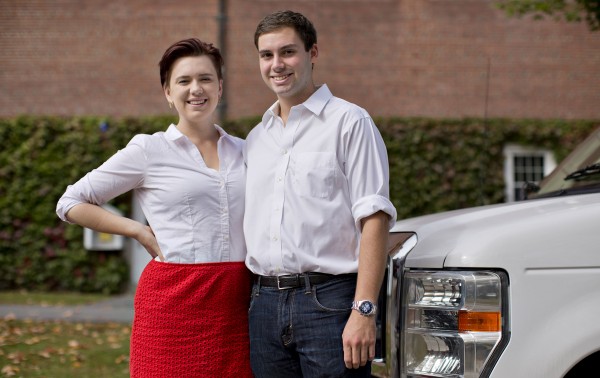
(46, 353)
(37, 329)
(122, 358)
(10, 370)
(33, 340)
(16, 357)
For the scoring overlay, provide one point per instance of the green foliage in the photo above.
(40, 156)
(439, 165)
(572, 11)
(435, 165)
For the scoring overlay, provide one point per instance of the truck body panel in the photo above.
(546, 252)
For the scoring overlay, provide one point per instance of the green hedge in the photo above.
(439, 165)
(435, 165)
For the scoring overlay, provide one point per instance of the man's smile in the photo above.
(281, 77)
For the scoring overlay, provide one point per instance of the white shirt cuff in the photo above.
(369, 205)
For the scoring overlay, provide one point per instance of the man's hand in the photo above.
(360, 332)
(359, 340)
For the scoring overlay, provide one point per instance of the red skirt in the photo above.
(191, 320)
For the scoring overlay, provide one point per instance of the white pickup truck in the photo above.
(509, 290)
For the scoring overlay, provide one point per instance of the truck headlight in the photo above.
(453, 322)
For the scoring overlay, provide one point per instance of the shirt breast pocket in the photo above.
(315, 174)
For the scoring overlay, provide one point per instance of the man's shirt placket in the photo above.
(276, 252)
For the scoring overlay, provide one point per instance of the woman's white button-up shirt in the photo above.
(195, 212)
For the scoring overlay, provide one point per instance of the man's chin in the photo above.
(279, 89)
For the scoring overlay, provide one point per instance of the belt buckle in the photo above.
(284, 287)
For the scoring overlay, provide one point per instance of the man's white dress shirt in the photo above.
(310, 183)
(195, 212)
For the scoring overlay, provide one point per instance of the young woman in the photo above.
(192, 299)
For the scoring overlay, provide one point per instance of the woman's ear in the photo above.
(167, 91)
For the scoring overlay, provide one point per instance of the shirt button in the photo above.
(278, 179)
(274, 238)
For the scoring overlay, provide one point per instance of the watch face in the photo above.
(366, 307)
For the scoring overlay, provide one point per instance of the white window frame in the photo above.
(513, 150)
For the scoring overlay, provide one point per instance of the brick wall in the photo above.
(435, 58)
(100, 57)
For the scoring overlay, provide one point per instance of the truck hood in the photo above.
(496, 236)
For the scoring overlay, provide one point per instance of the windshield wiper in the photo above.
(590, 170)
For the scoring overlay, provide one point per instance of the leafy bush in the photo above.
(439, 165)
(40, 156)
(435, 165)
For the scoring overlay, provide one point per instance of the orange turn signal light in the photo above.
(479, 321)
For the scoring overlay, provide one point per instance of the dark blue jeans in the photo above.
(298, 332)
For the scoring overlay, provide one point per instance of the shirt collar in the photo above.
(173, 133)
(315, 104)
(223, 133)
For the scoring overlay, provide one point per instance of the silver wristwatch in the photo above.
(365, 308)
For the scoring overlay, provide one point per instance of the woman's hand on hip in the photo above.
(146, 238)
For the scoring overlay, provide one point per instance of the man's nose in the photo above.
(278, 62)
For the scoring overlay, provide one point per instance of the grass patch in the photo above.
(24, 297)
(62, 349)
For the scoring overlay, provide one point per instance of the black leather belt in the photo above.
(293, 281)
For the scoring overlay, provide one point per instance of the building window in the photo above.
(524, 165)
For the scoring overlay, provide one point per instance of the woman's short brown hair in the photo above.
(185, 48)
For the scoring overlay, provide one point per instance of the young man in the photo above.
(317, 217)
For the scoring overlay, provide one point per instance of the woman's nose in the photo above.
(197, 89)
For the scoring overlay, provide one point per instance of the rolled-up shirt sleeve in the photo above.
(122, 172)
(367, 170)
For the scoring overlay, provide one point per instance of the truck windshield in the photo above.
(578, 173)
